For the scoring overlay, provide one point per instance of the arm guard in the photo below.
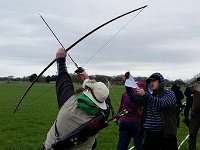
(64, 86)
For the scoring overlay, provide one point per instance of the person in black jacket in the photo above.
(179, 97)
(193, 108)
(189, 100)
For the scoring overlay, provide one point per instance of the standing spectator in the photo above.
(194, 121)
(179, 97)
(160, 120)
(130, 124)
(189, 99)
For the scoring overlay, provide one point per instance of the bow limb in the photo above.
(70, 47)
(36, 79)
(86, 35)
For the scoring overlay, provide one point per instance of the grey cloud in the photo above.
(163, 37)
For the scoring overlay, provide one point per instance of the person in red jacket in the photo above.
(130, 124)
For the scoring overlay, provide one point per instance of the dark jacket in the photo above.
(64, 86)
(179, 95)
(161, 108)
(189, 100)
(195, 89)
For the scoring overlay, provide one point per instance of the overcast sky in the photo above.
(163, 38)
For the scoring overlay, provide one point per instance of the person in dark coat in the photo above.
(189, 100)
(179, 97)
(194, 109)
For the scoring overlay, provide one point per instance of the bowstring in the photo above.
(104, 45)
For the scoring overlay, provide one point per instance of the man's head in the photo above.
(155, 82)
(197, 84)
(97, 92)
(175, 87)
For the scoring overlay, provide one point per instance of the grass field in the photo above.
(27, 128)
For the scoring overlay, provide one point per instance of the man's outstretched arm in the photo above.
(64, 86)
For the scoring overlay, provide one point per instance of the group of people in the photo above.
(160, 118)
(152, 118)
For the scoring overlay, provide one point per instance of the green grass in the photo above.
(27, 128)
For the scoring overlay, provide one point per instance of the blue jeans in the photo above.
(127, 131)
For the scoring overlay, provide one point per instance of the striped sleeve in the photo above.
(167, 100)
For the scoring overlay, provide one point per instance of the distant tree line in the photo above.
(118, 80)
